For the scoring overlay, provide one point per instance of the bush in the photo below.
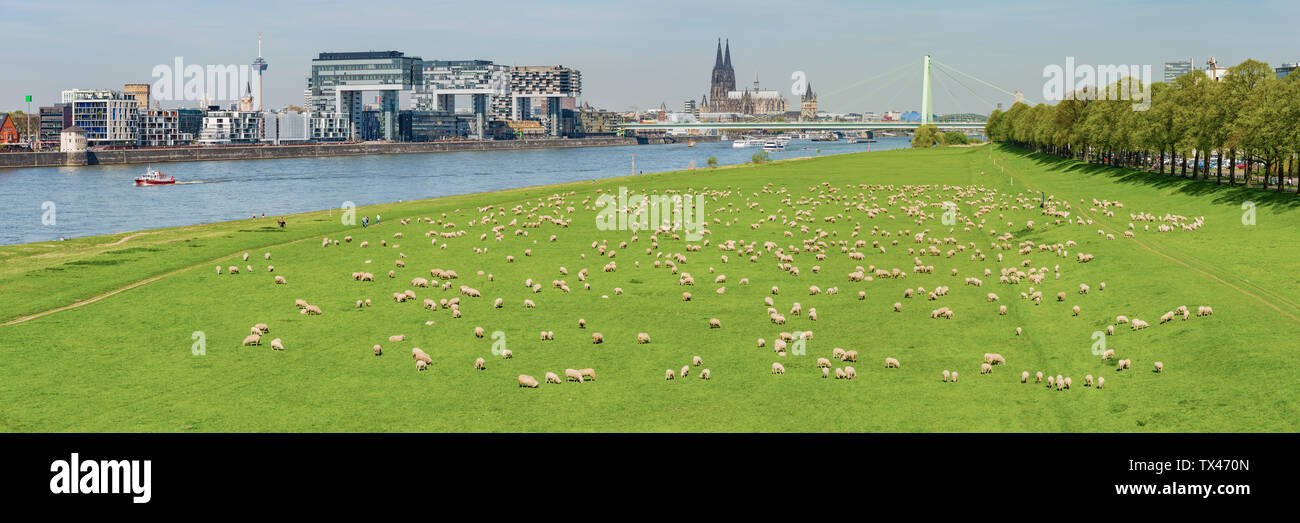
(712, 161)
(953, 138)
(760, 157)
(926, 136)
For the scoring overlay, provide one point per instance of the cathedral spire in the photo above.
(727, 62)
(718, 62)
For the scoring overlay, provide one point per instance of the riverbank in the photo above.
(271, 152)
(160, 349)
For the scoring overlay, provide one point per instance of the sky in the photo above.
(858, 55)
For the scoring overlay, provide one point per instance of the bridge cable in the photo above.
(972, 91)
(1004, 91)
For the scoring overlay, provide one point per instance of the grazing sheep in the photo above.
(1024, 377)
(478, 332)
(715, 323)
(507, 354)
(686, 296)
(587, 374)
(1076, 310)
(668, 375)
(840, 374)
(232, 269)
(986, 368)
(262, 327)
(1002, 310)
(1160, 366)
(823, 362)
(1101, 382)
(529, 304)
(1108, 354)
(890, 363)
(838, 353)
(685, 370)
(761, 343)
(1087, 380)
(218, 269)
(597, 338)
(419, 355)
(1039, 377)
(1051, 381)
(826, 372)
(498, 303)
(642, 338)
(480, 364)
(527, 381)
(704, 374)
(1068, 381)
(276, 344)
(697, 361)
(954, 377)
(777, 368)
(551, 377)
(421, 365)
(252, 339)
(851, 355)
(1019, 331)
(898, 307)
(379, 351)
(850, 373)
(397, 337)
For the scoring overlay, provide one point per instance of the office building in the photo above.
(139, 93)
(1175, 69)
(161, 128)
(231, 128)
(54, 119)
(108, 117)
(338, 81)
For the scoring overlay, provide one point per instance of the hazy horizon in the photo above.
(642, 55)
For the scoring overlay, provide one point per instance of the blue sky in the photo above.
(639, 54)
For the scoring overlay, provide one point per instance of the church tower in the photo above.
(723, 81)
(808, 104)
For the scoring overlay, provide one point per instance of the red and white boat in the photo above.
(153, 177)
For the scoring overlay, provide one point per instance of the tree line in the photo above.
(1249, 120)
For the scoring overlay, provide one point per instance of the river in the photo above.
(40, 204)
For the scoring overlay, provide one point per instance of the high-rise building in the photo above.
(161, 128)
(338, 81)
(483, 81)
(558, 86)
(54, 119)
(108, 117)
(139, 93)
(1178, 68)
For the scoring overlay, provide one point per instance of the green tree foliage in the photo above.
(954, 138)
(712, 161)
(1249, 114)
(926, 136)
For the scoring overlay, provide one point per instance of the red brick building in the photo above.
(9, 131)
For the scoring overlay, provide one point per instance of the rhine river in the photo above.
(102, 199)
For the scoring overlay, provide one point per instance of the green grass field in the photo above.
(126, 362)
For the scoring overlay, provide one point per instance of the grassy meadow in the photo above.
(126, 362)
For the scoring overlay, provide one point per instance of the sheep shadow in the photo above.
(1222, 194)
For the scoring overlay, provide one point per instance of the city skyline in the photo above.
(641, 56)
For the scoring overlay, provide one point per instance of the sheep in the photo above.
(498, 303)
(551, 377)
(898, 307)
(480, 364)
(587, 374)
(597, 338)
(705, 374)
(312, 310)
(1002, 310)
(421, 365)
(685, 369)
(986, 368)
(1024, 377)
(300, 303)
(397, 337)
(276, 344)
(1107, 354)
(527, 381)
(478, 332)
(851, 355)
(1039, 377)
(232, 269)
(838, 353)
(1076, 310)
(1087, 380)
(1110, 330)
(954, 377)
(419, 355)
(270, 268)
(890, 363)
(761, 343)
(823, 362)
(778, 368)
(1138, 324)
(1160, 366)
(642, 338)
(850, 373)
(1167, 317)
(379, 351)
(994, 359)
(507, 354)
(715, 323)
(1101, 382)
(1068, 381)
(826, 372)
(262, 327)
(218, 269)
(528, 304)
(686, 296)
(1051, 381)
(252, 339)
(582, 323)
(840, 374)
(1019, 331)
(697, 361)
(668, 375)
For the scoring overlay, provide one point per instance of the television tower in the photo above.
(259, 65)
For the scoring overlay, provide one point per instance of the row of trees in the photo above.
(928, 135)
(1249, 118)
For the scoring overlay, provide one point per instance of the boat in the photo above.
(152, 177)
(738, 144)
(773, 145)
(690, 144)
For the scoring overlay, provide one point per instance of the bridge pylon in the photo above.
(927, 103)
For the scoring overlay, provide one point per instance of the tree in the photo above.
(712, 161)
(926, 136)
(760, 157)
(953, 138)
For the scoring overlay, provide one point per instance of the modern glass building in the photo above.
(1285, 69)
(109, 117)
(481, 80)
(1175, 69)
(338, 81)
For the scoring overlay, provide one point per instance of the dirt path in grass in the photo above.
(124, 239)
(133, 285)
(1148, 248)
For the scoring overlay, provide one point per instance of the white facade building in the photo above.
(231, 128)
(161, 128)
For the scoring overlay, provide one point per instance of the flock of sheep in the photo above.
(902, 218)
